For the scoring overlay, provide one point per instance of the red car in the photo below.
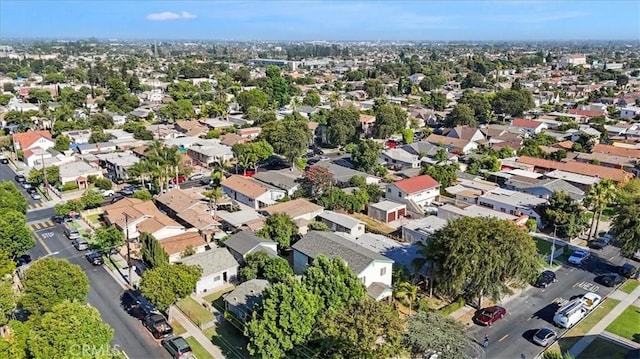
(180, 180)
(489, 315)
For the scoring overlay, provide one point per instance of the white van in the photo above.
(570, 314)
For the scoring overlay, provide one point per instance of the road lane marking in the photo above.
(612, 258)
(44, 245)
(503, 338)
(528, 319)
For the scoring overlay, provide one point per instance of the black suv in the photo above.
(20, 178)
(547, 277)
(627, 270)
(95, 258)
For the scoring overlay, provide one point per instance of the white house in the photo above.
(70, 172)
(417, 191)
(513, 202)
(339, 222)
(373, 269)
(218, 268)
(416, 78)
(251, 192)
(529, 127)
(32, 140)
(629, 112)
(572, 60)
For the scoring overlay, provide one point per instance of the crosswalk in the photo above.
(41, 225)
(36, 205)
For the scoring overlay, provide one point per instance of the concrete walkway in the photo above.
(195, 332)
(600, 327)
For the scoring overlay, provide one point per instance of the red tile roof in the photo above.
(618, 151)
(416, 184)
(585, 113)
(26, 139)
(521, 122)
(585, 169)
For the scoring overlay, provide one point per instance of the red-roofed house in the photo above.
(419, 190)
(33, 144)
(528, 126)
(587, 114)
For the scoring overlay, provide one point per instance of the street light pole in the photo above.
(553, 246)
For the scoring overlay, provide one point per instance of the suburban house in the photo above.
(587, 169)
(529, 127)
(339, 222)
(100, 147)
(386, 211)
(629, 112)
(373, 269)
(572, 60)
(466, 133)
(448, 212)
(244, 243)
(31, 141)
(240, 220)
(78, 137)
(72, 171)
(191, 210)
(176, 246)
(342, 175)
(417, 192)
(452, 144)
(421, 229)
(250, 192)
(300, 210)
(468, 190)
(285, 179)
(36, 156)
(139, 216)
(218, 268)
(400, 158)
(210, 153)
(241, 301)
(118, 163)
(514, 203)
(544, 188)
(366, 124)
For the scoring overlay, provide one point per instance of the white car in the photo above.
(36, 196)
(108, 193)
(196, 176)
(590, 300)
(579, 257)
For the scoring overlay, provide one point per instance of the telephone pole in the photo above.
(129, 261)
(44, 175)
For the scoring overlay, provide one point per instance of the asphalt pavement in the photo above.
(534, 308)
(104, 294)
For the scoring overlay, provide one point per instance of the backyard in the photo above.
(627, 324)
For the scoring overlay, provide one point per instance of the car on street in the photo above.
(20, 178)
(81, 244)
(26, 185)
(578, 257)
(36, 196)
(196, 176)
(31, 190)
(600, 242)
(22, 260)
(108, 193)
(544, 336)
(127, 191)
(180, 179)
(590, 301)
(628, 270)
(489, 315)
(95, 258)
(178, 348)
(117, 198)
(4, 160)
(611, 279)
(57, 219)
(547, 277)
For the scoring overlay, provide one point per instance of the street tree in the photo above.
(253, 98)
(152, 252)
(317, 179)
(165, 285)
(603, 194)
(8, 301)
(565, 214)
(279, 227)
(36, 175)
(69, 327)
(92, 199)
(512, 102)
(475, 257)
(461, 115)
(431, 333)
(15, 237)
(62, 143)
(361, 329)
(251, 153)
(108, 238)
(143, 194)
(374, 88)
(12, 198)
(626, 227)
(342, 125)
(288, 138)
(50, 281)
(365, 155)
(390, 119)
(334, 282)
(283, 321)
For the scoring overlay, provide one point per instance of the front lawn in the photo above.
(178, 329)
(629, 286)
(602, 348)
(94, 219)
(195, 311)
(544, 247)
(627, 324)
(581, 329)
(198, 350)
(229, 339)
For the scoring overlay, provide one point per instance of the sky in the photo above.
(346, 20)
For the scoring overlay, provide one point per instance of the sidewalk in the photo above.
(195, 332)
(600, 327)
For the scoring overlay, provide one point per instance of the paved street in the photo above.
(104, 295)
(7, 174)
(534, 308)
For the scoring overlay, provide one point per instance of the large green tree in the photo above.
(14, 234)
(62, 143)
(249, 154)
(626, 227)
(432, 333)
(475, 257)
(512, 102)
(288, 138)
(12, 198)
(69, 328)
(167, 284)
(108, 238)
(152, 252)
(50, 281)
(445, 174)
(565, 214)
(478, 102)
(390, 119)
(283, 321)
(461, 115)
(279, 227)
(366, 155)
(264, 266)
(253, 98)
(334, 282)
(342, 125)
(601, 195)
(361, 329)
(374, 88)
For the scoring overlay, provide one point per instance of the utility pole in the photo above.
(129, 261)
(44, 175)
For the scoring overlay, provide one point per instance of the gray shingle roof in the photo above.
(331, 245)
(247, 294)
(212, 261)
(244, 242)
(340, 219)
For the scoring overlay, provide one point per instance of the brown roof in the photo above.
(416, 184)
(586, 113)
(135, 209)
(187, 125)
(367, 118)
(245, 185)
(464, 132)
(585, 169)
(198, 216)
(293, 208)
(249, 131)
(618, 151)
(230, 139)
(450, 141)
(178, 244)
(567, 145)
(179, 200)
(524, 123)
(27, 139)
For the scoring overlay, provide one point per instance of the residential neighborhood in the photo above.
(344, 199)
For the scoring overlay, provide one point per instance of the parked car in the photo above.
(108, 193)
(31, 190)
(628, 270)
(570, 314)
(611, 279)
(57, 219)
(95, 258)
(118, 181)
(20, 178)
(22, 260)
(488, 316)
(158, 326)
(547, 277)
(81, 244)
(127, 191)
(4, 160)
(544, 336)
(26, 185)
(180, 180)
(600, 243)
(71, 233)
(196, 176)
(116, 198)
(579, 256)
(590, 301)
(36, 196)
(178, 348)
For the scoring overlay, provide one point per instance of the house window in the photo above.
(399, 194)
(216, 278)
(389, 190)
(364, 280)
(383, 271)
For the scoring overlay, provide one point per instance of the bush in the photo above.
(450, 308)
(71, 186)
(103, 183)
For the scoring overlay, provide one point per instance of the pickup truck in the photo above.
(157, 325)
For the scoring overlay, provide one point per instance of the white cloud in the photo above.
(168, 15)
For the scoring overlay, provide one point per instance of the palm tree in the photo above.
(142, 169)
(408, 291)
(598, 198)
(424, 257)
(214, 195)
(626, 227)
